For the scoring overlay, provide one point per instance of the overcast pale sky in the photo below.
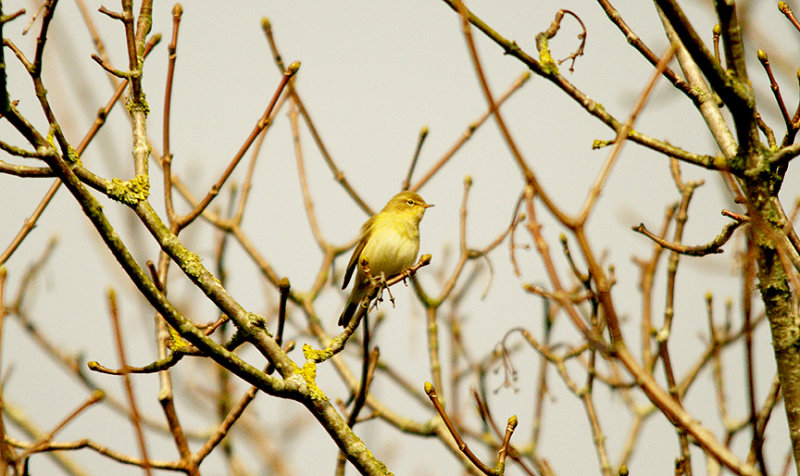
(373, 74)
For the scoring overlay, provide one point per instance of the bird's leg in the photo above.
(380, 283)
(386, 286)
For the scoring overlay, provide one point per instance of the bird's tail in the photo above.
(348, 313)
(353, 305)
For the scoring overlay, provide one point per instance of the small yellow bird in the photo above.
(389, 244)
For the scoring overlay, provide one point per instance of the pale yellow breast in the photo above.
(392, 247)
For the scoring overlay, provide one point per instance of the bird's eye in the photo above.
(410, 202)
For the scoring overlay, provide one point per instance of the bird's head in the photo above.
(407, 204)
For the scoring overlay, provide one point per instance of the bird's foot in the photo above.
(380, 282)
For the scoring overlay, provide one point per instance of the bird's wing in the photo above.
(351, 265)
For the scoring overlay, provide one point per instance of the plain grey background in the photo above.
(373, 74)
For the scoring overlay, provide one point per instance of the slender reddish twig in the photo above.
(262, 124)
(469, 132)
(42, 443)
(423, 134)
(177, 12)
(462, 445)
(112, 304)
(337, 173)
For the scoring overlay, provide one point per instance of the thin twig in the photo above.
(776, 90)
(619, 140)
(301, 172)
(486, 416)
(713, 247)
(468, 133)
(337, 173)
(262, 124)
(42, 443)
(423, 134)
(112, 304)
(784, 8)
(462, 445)
(177, 12)
(635, 41)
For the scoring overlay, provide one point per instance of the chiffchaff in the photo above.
(389, 244)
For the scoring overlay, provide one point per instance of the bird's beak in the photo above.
(428, 205)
